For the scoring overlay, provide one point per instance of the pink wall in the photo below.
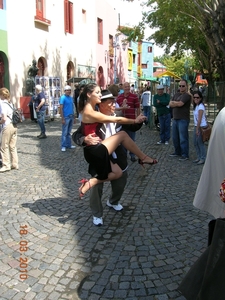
(110, 18)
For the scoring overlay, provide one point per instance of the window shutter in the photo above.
(39, 8)
(71, 17)
(66, 15)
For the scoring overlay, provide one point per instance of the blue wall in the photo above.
(147, 58)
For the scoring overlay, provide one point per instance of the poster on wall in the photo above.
(86, 72)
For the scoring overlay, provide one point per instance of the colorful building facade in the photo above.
(66, 38)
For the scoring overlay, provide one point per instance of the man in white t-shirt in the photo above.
(146, 103)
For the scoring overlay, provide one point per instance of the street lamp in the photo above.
(124, 45)
(116, 46)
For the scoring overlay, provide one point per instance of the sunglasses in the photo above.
(181, 85)
(67, 90)
(196, 97)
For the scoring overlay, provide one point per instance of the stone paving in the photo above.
(49, 248)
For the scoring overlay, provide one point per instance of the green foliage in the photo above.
(134, 34)
(180, 66)
(189, 24)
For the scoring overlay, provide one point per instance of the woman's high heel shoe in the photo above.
(142, 162)
(83, 181)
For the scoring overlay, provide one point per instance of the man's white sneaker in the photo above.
(117, 207)
(63, 149)
(72, 147)
(97, 221)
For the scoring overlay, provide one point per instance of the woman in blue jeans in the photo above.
(199, 121)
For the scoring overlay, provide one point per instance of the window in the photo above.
(1, 4)
(100, 31)
(84, 16)
(68, 16)
(69, 69)
(40, 12)
(149, 49)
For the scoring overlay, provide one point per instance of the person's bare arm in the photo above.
(176, 103)
(95, 116)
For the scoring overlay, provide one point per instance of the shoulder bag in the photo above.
(206, 132)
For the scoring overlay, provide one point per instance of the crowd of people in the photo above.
(109, 120)
(122, 101)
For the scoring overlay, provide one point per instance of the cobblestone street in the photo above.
(49, 248)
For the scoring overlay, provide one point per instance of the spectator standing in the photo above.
(8, 148)
(39, 104)
(129, 99)
(161, 102)
(76, 94)
(199, 121)
(113, 88)
(180, 104)
(121, 91)
(67, 116)
(146, 98)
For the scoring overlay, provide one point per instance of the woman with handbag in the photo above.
(199, 121)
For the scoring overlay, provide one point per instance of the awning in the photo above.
(170, 74)
(202, 81)
(148, 78)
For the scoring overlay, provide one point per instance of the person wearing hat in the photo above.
(99, 155)
(161, 101)
(107, 107)
(67, 117)
(39, 104)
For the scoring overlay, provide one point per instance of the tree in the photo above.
(190, 24)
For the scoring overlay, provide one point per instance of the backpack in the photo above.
(17, 116)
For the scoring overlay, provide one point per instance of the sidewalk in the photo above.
(49, 248)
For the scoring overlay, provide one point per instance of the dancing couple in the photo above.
(98, 156)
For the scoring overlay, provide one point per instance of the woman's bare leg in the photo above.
(115, 174)
(123, 138)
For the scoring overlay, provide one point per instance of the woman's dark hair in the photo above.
(88, 88)
(201, 98)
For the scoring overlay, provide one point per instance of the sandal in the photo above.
(83, 181)
(142, 162)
